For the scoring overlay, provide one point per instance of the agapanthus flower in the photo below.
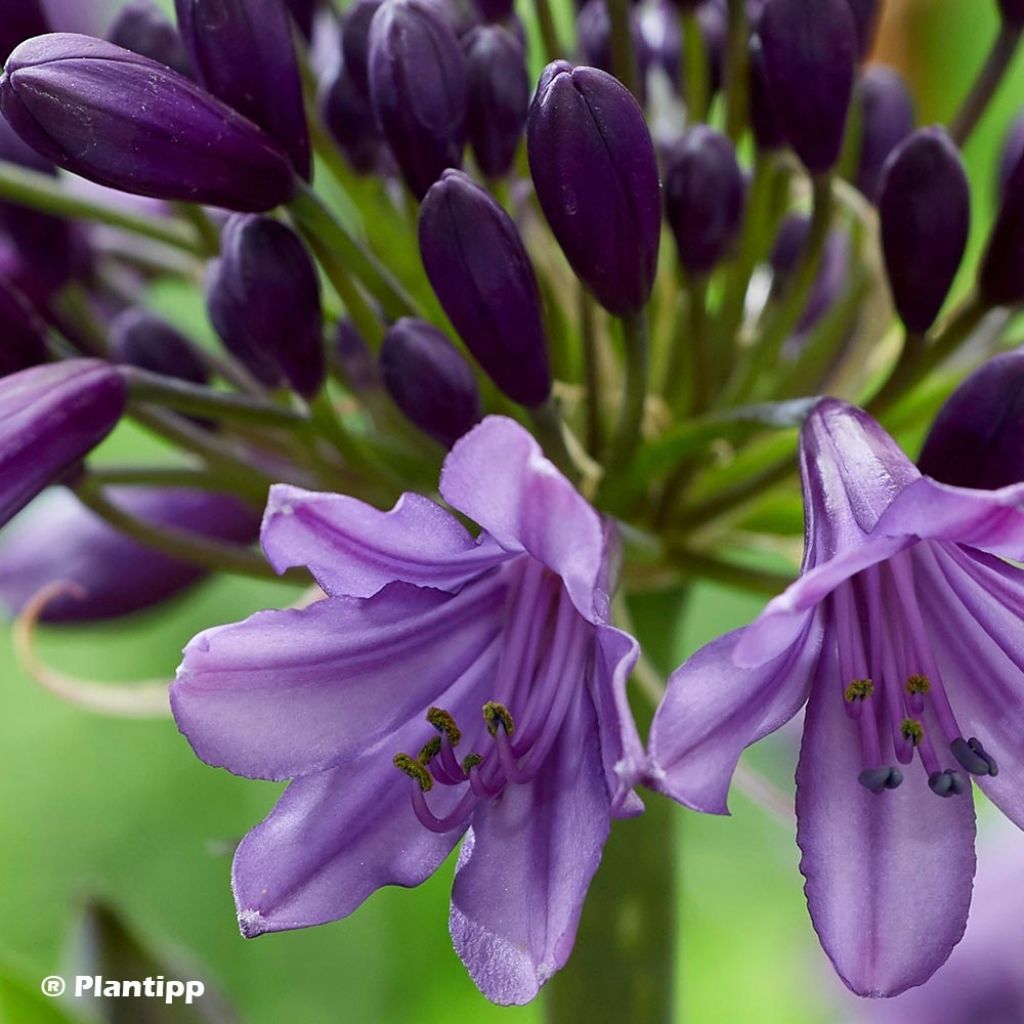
(903, 636)
(448, 686)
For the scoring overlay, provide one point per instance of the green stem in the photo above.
(206, 231)
(738, 576)
(702, 386)
(547, 422)
(737, 70)
(157, 476)
(695, 77)
(730, 499)
(43, 192)
(624, 62)
(548, 31)
(986, 84)
(627, 436)
(591, 376)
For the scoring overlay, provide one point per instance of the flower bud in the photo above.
(141, 338)
(924, 205)
(263, 296)
(22, 333)
(596, 176)
(429, 381)
(132, 124)
(50, 417)
(244, 54)
(888, 118)
(704, 197)
(1013, 153)
(498, 97)
(767, 133)
(21, 20)
(355, 42)
(480, 271)
(355, 358)
(865, 18)
(496, 10)
(810, 49)
(347, 115)
(142, 28)
(418, 87)
(1012, 12)
(1001, 278)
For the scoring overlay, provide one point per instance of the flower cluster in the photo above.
(593, 299)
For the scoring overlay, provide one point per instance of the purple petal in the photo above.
(713, 710)
(498, 476)
(526, 865)
(354, 549)
(287, 693)
(889, 875)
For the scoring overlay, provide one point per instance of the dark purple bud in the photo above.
(142, 28)
(594, 32)
(763, 121)
(418, 88)
(21, 20)
(348, 117)
(924, 205)
(1001, 277)
(496, 10)
(810, 50)
(355, 358)
(498, 97)
(22, 333)
(355, 42)
(140, 338)
(125, 121)
(888, 118)
(975, 440)
(50, 417)
(596, 176)
(429, 381)
(1013, 12)
(704, 197)
(1013, 153)
(480, 271)
(61, 540)
(263, 296)
(865, 16)
(244, 54)
(304, 11)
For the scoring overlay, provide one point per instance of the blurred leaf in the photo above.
(22, 1002)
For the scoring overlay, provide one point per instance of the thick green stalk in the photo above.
(547, 424)
(986, 84)
(627, 437)
(624, 62)
(548, 30)
(591, 376)
(695, 75)
(737, 74)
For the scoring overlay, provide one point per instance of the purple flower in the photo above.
(903, 635)
(447, 686)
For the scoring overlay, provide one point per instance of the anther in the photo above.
(878, 779)
(498, 716)
(442, 721)
(917, 686)
(859, 689)
(415, 770)
(975, 745)
(947, 783)
(912, 731)
(430, 750)
(971, 757)
(470, 761)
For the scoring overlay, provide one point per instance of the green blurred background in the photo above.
(124, 810)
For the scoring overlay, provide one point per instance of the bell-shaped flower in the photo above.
(448, 687)
(903, 637)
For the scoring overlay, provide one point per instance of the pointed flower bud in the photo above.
(50, 417)
(596, 176)
(704, 197)
(417, 80)
(140, 338)
(810, 50)
(925, 211)
(263, 297)
(355, 42)
(142, 28)
(480, 271)
(865, 17)
(975, 440)
(347, 115)
(429, 381)
(244, 54)
(763, 121)
(498, 97)
(22, 333)
(1001, 278)
(125, 121)
(888, 118)
(21, 20)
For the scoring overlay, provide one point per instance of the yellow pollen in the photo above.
(497, 715)
(430, 750)
(470, 761)
(859, 689)
(415, 770)
(442, 721)
(911, 729)
(918, 684)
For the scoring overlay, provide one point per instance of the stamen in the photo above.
(912, 731)
(444, 723)
(946, 784)
(917, 686)
(498, 716)
(859, 689)
(415, 771)
(879, 779)
(975, 745)
(451, 821)
(430, 750)
(479, 785)
(470, 761)
(971, 757)
(512, 771)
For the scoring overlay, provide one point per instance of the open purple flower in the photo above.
(903, 636)
(447, 686)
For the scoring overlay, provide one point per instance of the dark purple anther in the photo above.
(763, 121)
(498, 97)
(429, 381)
(347, 115)
(50, 417)
(1013, 153)
(22, 333)
(888, 118)
(142, 28)
(1012, 12)
(596, 176)
(480, 271)
(810, 51)
(141, 338)
(244, 54)
(1001, 278)
(20, 20)
(128, 122)
(418, 87)
(263, 297)
(924, 205)
(866, 14)
(975, 440)
(704, 198)
(355, 42)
